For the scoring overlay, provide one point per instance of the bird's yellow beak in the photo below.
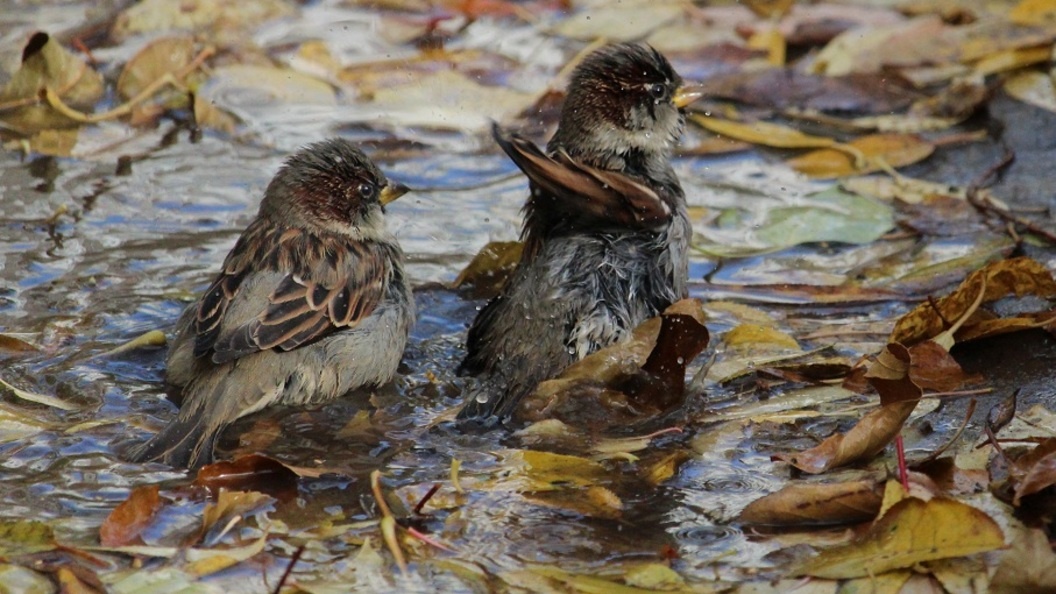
(687, 94)
(391, 192)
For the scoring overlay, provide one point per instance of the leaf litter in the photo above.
(850, 223)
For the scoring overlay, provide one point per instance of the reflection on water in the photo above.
(90, 259)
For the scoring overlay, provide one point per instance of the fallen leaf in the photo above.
(912, 531)
(44, 399)
(829, 216)
(128, 520)
(230, 508)
(46, 64)
(485, 275)
(1033, 12)
(763, 133)
(151, 338)
(165, 56)
(1036, 470)
(23, 537)
(1035, 88)
(626, 21)
(1028, 566)
(203, 562)
(252, 472)
(868, 437)
(1016, 276)
(619, 385)
(811, 504)
(213, 15)
(881, 151)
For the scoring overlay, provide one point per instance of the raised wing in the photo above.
(579, 193)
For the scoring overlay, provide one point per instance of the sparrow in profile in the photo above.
(312, 302)
(605, 229)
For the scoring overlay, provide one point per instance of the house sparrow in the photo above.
(311, 303)
(605, 229)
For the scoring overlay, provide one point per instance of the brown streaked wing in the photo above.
(213, 304)
(331, 293)
(589, 193)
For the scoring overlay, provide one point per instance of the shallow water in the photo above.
(129, 252)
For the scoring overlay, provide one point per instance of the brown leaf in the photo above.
(1017, 276)
(879, 150)
(680, 340)
(932, 368)
(867, 438)
(612, 388)
(1029, 566)
(1040, 475)
(1002, 413)
(247, 473)
(125, 524)
(165, 56)
(75, 579)
(799, 504)
(889, 375)
(781, 88)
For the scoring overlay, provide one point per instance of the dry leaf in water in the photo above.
(911, 532)
(880, 151)
(810, 504)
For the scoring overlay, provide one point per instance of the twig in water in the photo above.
(986, 204)
(289, 568)
(425, 498)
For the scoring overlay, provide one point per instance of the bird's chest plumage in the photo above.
(613, 282)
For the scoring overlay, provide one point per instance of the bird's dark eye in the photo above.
(658, 91)
(367, 190)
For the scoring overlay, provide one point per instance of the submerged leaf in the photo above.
(21, 537)
(128, 520)
(250, 472)
(830, 216)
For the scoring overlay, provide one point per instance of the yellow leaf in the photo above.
(1035, 88)
(752, 336)
(1013, 59)
(880, 150)
(764, 133)
(771, 40)
(913, 531)
(1033, 12)
(203, 562)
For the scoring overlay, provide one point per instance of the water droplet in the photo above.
(482, 398)
(680, 361)
(571, 350)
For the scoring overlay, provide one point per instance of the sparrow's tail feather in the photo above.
(186, 442)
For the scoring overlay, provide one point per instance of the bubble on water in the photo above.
(680, 361)
(482, 398)
(571, 350)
